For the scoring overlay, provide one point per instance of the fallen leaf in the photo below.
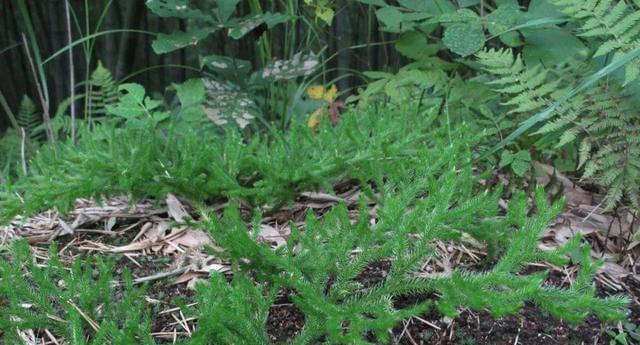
(269, 234)
(176, 210)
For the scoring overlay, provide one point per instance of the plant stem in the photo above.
(43, 102)
(7, 109)
(71, 74)
(23, 155)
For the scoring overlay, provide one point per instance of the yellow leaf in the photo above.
(314, 119)
(326, 14)
(315, 92)
(330, 94)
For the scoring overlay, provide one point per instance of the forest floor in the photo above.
(142, 236)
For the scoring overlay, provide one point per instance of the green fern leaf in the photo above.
(29, 119)
(103, 92)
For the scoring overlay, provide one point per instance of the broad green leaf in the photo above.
(437, 7)
(175, 9)
(461, 16)
(522, 155)
(506, 2)
(390, 17)
(130, 104)
(504, 18)
(374, 87)
(273, 19)
(134, 91)
(464, 39)
(226, 103)
(414, 45)
(249, 24)
(225, 9)
(543, 8)
(551, 46)
(326, 14)
(229, 68)
(520, 167)
(415, 16)
(377, 74)
(506, 158)
(373, 2)
(166, 43)
(468, 3)
(415, 5)
(298, 66)
(191, 92)
(395, 90)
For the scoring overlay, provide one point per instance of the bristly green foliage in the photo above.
(35, 296)
(232, 313)
(10, 159)
(602, 121)
(140, 160)
(615, 23)
(322, 265)
(103, 92)
(417, 174)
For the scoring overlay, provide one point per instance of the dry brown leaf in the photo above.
(613, 270)
(176, 209)
(319, 196)
(271, 235)
(574, 194)
(193, 239)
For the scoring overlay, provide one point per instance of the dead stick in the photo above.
(160, 275)
(23, 155)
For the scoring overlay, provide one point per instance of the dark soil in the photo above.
(532, 326)
(285, 322)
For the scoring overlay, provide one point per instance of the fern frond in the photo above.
(103, 92)
(601, 120)
(617, 24)
(29, 119)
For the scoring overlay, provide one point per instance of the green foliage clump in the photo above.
(417, 174)
(239, 91)
(144, 160)
(321, 265)
(79, 304)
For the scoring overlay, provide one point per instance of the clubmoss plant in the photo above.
(80, 304)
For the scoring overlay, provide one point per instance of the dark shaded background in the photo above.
(124, 54)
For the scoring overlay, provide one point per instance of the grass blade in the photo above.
(4, 50)
(7, 110)
(92, 36)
